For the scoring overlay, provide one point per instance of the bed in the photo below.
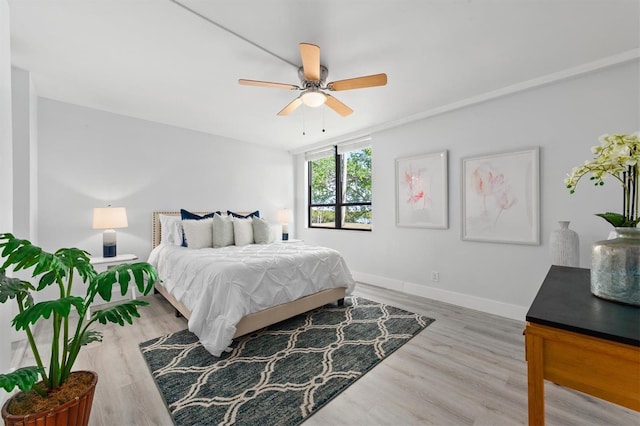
(230, 291)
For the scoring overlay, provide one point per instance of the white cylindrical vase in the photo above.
(565, 246)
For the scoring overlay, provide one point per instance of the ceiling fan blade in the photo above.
(337, 106)
(291, 106)
(310, 54)
(358, 82)
(268, 84)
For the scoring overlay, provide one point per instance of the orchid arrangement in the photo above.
(617, 156)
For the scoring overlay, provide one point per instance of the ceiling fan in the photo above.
(313, 84)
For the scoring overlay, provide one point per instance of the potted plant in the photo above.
(47, 384)
(615, 263)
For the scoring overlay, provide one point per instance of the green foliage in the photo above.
(23, 378)
(32, 314)
(78, 259)
(121, 313)
(618, 220)
(90, 336)
(358, 214)
(121, 274)
(323, 185)
(358, 178)
(14, 288)
(59, 269)
(355, 171)
(323, 215)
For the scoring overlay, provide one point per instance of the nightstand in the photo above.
(291, 241)
(101, 264)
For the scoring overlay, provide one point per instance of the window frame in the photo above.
(339, 204)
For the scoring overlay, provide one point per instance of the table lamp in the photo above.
(109, 218)
(284, 216)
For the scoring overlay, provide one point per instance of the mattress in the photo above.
(222, 285)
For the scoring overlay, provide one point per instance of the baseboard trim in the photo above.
(493, 307)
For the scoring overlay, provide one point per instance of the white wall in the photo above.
(6, 172)
(24, 102)
(25, 165)
(564, 119)
(90, 158)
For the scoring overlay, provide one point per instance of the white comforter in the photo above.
(221, 285)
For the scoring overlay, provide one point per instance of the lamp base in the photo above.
(109, 243)
(109, 251)
(285, 237)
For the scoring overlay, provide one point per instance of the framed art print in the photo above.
(421, 191)
(500, 197)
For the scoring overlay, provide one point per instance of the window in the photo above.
(340, 187)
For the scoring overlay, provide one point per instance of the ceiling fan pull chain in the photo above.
(322, 120)
(303, 123)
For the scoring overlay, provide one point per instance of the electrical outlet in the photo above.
(435, 276)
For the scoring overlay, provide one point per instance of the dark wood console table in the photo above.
(578, 340)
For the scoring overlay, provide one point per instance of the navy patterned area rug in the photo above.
(282, 374)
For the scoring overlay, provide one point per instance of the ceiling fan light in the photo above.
(313, 99)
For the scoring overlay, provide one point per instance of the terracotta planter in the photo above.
(73, 413)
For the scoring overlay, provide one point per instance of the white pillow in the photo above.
(262, 231)
(222, 231)
(170, 230)
(198, 233)
(243, 231)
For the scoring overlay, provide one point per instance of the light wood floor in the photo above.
(467, 368)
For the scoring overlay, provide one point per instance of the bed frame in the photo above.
(259, 319)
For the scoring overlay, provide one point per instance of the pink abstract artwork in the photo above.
(421, 191)
(490, 184)
(500, 198)
(416, 185)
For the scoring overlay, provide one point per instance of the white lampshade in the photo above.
(109, 218)
(313, 98)
(284, 216)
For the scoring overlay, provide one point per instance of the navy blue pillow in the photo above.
(240, 216)
(187, 215)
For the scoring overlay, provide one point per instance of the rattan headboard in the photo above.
(155, 224)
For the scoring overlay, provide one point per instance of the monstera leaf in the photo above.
(14, 288)
(23, 378)
(121, 313)
(44, 310)
(143, 274)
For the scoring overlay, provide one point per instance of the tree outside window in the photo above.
(340, 190)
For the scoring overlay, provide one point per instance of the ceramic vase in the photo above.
(615, 267)
(565, 246)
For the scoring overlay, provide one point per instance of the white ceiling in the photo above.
(156, 60)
